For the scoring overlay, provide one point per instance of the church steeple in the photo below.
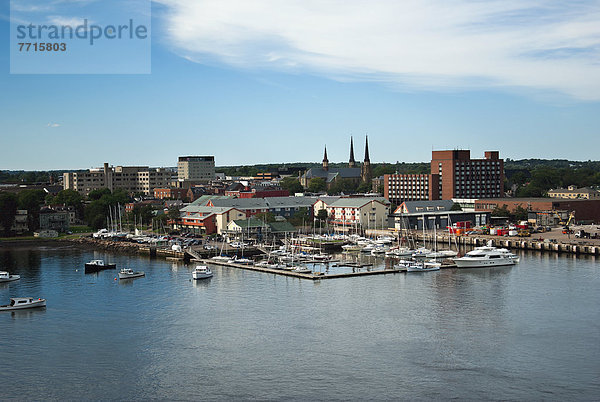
(352, 162)
(325, 160)
(365, 172)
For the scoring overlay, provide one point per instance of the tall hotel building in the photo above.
(453, 175)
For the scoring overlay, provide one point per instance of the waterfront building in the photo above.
(410, 187)
(331, 174)
(434, 214)
(207, 219)
(196, 168)
(132, 179)
(360, 212)
(585, 210)
(574, 192)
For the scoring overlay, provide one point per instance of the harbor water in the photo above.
(527, 332)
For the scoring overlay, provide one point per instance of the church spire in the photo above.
(325, 160)
(366, 173)
(352, 162)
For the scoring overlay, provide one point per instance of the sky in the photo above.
(274, 81)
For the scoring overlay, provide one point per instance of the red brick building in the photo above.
(463, 177)
(453, 175)
(170, 193)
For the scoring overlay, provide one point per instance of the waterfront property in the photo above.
(434, 214)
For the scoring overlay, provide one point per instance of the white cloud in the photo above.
(67, 21)
(53, 125)
(427, 44)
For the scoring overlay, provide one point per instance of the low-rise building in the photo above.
(170, 193)
(416, 215)
(574, 192)
(360, 212)
(51, 219)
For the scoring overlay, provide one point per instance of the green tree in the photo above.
(456, 207)
(300, 217)
(317, 185)
(267, 217)
(346, 186)
(97, 194)
(70, 198)
(8, 211)
(322, 215)
(32, 200)
(291, 184)
(364, 187)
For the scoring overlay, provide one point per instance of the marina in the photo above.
(253, 324)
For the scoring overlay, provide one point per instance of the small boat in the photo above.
(98, 265)
(378, 250)
(417, 266)
(243, 261)
(302, 270)
(202, 272)
(6, 277)
(351, 247)
(442, 254)
(322, 257)
(220, 258)
(399, 252)
(20, 303)
(127, 273)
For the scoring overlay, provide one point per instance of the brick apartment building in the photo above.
(453, 175)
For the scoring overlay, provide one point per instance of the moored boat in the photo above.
(21, 303)
(201, 272)
(486, 256)
(6, 277)
(127, 273)
(98, 265)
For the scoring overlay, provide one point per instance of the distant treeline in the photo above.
(32, 177)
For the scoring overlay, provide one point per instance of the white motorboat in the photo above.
(418, 266)
(368, 248)
(421, 252)
(302, 270)
(20, 303)
(127, 273)
(243, 261)
(322, 257)
(399, 252)
(97, 265)
(6, 277)
(202, 272)
(220, 258)
(486, 256)
(378, 250)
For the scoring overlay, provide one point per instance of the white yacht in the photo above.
(351, 247)
(20, 303)
(486, 256)
(127, 273)
(6, 277)
(202, 272)
(399, 252)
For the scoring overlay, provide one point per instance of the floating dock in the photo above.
(312, 276)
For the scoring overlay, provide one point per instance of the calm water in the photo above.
(527, 332)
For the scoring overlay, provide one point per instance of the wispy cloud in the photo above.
(423, 44)
(67, 21)
(53, 125)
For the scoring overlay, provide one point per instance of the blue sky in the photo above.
(273, 82)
